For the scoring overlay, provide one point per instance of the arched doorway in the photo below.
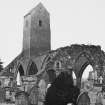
(83, 65)
(32, 68)
(21, 71)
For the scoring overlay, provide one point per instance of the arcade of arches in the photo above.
(31, 69)
(76, 58)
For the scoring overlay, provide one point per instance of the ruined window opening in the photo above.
(86, 72)
(33, 69)
(21, 71)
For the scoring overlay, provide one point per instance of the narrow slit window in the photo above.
(58, 64)
(40, 23)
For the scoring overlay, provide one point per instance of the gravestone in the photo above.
(33, 95)
(83, 99)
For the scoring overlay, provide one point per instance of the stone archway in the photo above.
(80, 74)
(76, 58)
(88, 69)
(82, 61)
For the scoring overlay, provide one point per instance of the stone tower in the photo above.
(36, 31)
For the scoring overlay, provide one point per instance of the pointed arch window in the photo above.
(32, 69)
(21, 71)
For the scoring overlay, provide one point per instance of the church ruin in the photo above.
(36, 42)
(38, 65)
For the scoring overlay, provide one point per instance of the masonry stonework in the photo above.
(39, 65)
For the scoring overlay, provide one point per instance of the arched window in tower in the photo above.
(21, 71)
(32, 69)
(40, 23)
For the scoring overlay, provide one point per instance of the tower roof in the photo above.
(38, 6)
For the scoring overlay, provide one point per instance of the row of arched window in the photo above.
(33, 68)
(31, 71)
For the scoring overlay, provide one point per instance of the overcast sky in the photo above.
(72, 21)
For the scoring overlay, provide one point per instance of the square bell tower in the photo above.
(36, 31)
